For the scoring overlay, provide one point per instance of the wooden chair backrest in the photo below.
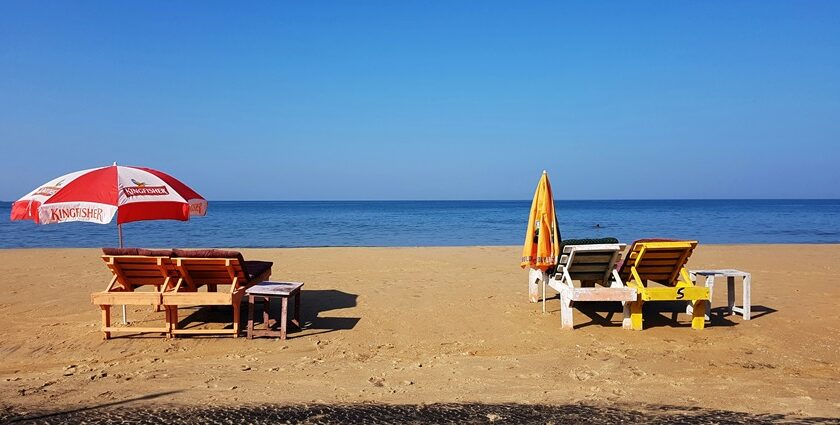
(138, 270)
(590, 262)
(211, 271)
(660, 262)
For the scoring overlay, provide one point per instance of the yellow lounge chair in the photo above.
(662, 262)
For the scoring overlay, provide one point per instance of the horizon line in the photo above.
(513, 200)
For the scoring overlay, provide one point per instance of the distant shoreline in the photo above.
(267, 224)
(391, 247)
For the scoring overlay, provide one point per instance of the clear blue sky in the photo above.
(427, 100)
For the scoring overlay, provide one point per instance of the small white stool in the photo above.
(730, 274)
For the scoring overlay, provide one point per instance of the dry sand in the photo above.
(431, 325)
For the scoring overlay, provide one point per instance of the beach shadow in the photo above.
(756, 312)
(83, 410)
(660, 313)
(600, 313)
(672, 314)
(313, 303)
(204, 315)
(449, 413)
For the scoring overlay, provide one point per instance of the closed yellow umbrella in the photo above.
(541, 238)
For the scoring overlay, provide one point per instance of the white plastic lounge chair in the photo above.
(590, 265)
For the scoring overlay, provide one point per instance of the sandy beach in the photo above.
(431, 325)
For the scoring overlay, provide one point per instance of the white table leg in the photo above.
(746, 313)
(730, 293)
(710, 283)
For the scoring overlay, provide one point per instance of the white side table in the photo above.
(730, 275)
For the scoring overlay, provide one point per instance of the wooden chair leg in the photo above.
(698, 319)
(236, 316)
(566, 318)
(636, 315)
(625, 321)
(168, 319)
(106, 321)
(173, 316)
(535, 276)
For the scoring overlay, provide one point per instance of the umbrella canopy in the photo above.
(97, 194)
(541, 239)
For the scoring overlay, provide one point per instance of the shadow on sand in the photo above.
(7, 415)
(402, 413)
(313, 304)
(657, 314)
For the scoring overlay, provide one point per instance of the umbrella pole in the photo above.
(119, 233)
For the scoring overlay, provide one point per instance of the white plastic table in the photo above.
(730, 275)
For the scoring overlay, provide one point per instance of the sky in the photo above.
(365, 100)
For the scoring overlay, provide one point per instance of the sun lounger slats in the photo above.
(585, 259)
(219, 278)
(589, 268)
(209, 270)
(590, 277)
(589, 264)
(137, 280)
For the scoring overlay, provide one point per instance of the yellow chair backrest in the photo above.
(658, 261)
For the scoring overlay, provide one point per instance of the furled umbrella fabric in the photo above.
(98, 194)
(542, 238)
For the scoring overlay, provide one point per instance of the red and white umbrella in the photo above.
(97, 194)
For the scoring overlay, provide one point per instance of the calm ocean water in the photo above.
(441, 223)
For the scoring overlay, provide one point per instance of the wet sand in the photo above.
(433, 331)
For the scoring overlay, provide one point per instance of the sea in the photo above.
(251, 224)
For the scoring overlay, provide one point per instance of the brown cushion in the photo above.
(120, 251)
(138, 251)
(256, 268)
(252, 268)
(154, 252)
(208, 253)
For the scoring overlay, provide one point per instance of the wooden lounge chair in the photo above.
(594, 267)
(662, 262)
(135, 271)
(202, 272)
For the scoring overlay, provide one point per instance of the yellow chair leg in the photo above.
(698, 321)
(636, 315)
